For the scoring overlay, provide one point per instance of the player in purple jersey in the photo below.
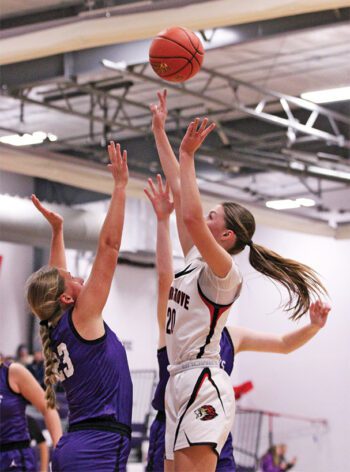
(18, 387)
(234, 339)
(201, 413)
(80, 349)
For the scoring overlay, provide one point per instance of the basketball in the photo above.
(176, 54)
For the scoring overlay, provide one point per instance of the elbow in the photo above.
(110, 244)
(192, 221)
(164, 282)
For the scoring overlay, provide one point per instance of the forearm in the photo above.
(112, 229)
(57, 249)
(164, 258)
(53, 424)
(190, 197)
(295, 339)
(44, 457)
(169, 163)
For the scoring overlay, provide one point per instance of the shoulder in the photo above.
(193, 255)
(18, 375)
(16, 369)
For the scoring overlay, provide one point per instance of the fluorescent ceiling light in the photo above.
(329, 95)
(120, 65)
(288, 204)
(27, 139)
(306, 202)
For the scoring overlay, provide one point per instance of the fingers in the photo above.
(115, 155)
(112, 152)
(203, 125)
(160, 183)
(152, 187)
(150, 197)
(37, 204)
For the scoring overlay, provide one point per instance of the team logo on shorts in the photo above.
(205, 413)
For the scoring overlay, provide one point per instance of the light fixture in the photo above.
(329, 95)
(27, 139)
(119, 65)
(288, 204)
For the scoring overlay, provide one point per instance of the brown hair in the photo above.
(300, 281)
(43, 290)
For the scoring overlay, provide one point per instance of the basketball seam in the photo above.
(194, 47)
(179, 70)
(178, 57)
(179, 44)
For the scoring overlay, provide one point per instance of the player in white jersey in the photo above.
(199, 397)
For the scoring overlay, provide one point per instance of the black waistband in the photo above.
(160, 416)
(102, 423)
(14, 445)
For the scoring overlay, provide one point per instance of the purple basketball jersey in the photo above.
(95, 374)
(12, 411)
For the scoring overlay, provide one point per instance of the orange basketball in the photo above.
(176, 54)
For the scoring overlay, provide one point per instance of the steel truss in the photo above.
(258, 152)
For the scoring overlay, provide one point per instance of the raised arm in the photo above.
(170, 165)
(94, 293)
(23, 382)
(217, 258)
(163, 207)
(57, 249)
(248, 340)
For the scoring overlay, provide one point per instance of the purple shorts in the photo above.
(91, 451)
(18, 460)
(156, 451)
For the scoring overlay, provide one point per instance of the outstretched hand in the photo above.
(195, 135)
(118, 165)
(319, 313)
(160, 198)
(54, 219)
(159, 111)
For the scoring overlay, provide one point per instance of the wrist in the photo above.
(158, 127)
(314, 326)
(119, 187)
(163, 219)
(186, 154)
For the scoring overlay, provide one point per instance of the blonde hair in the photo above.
(301, 282)
(43, 291)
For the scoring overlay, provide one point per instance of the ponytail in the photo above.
(43, 290)
(50, 367)
(301, 282)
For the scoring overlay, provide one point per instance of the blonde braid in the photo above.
(51, 376)
(44, 289)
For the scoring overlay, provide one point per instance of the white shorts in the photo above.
(200, 409)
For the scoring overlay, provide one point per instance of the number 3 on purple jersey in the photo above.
(66, 368)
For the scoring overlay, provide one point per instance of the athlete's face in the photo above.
(72, 285)
(216, 221)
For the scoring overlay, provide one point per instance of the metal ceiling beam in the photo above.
(286, 102)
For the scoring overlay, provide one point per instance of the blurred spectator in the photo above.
(22, 355)
(274, 460)
(36, 367)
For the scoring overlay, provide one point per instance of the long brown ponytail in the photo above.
(300, 281)
(43, 290)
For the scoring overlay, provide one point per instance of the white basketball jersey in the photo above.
(194, 322)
